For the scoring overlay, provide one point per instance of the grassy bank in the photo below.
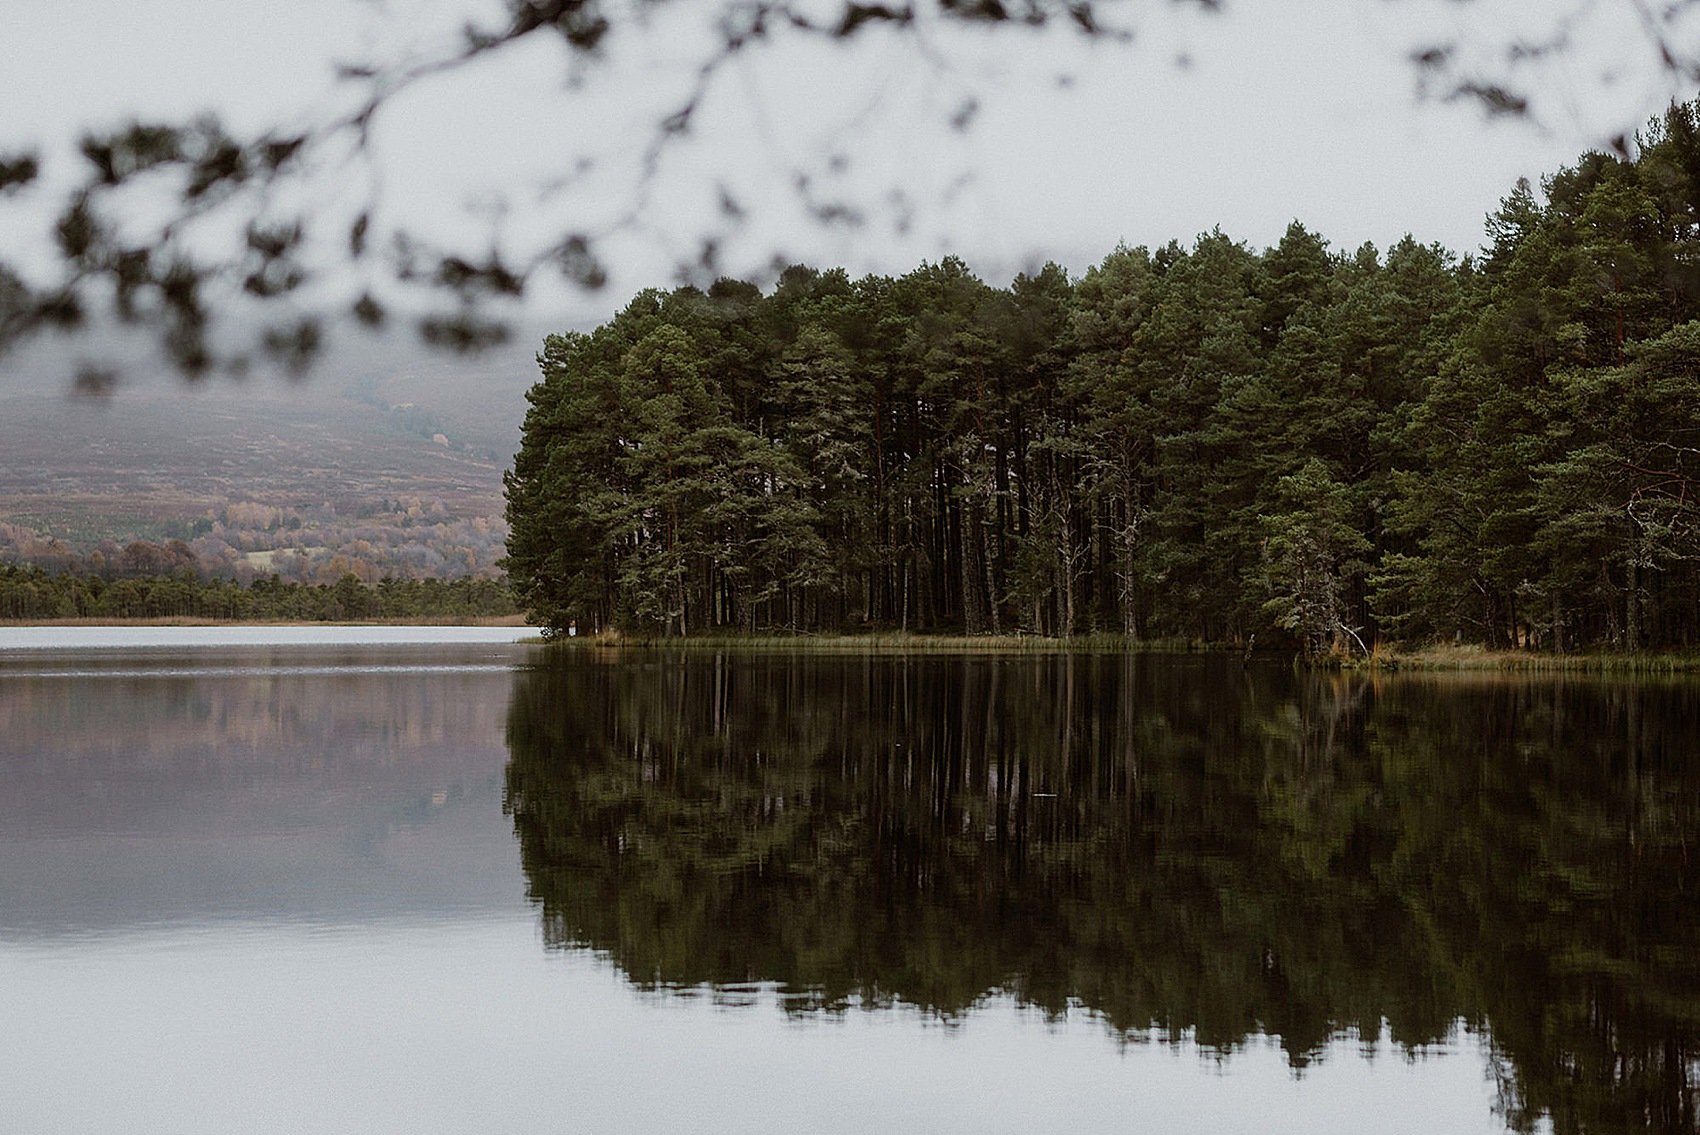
(1447, 657)
(1430, 658)
(892, 643)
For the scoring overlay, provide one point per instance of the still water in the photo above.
(453, 886)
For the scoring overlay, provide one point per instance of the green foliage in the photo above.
(1205, 442)
(1310, 550)
(32, 593)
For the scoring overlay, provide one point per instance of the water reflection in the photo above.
(321, 785)
(1185, 846)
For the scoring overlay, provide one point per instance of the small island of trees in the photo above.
(1201, 442)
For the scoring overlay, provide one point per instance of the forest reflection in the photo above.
(1179, 845)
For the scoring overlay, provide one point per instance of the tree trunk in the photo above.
(968, 536)
(903, 572)
(1613, 630)
(1125, 593)
(1632, 607)
(1067, 556)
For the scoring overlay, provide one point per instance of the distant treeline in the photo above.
(33, 593)
(1205, 442)
(248, 540)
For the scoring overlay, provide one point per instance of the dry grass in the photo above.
(890, 642)
(1439, 657)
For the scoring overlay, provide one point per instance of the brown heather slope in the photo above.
(374, 428)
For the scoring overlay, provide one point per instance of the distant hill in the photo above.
(380, 428)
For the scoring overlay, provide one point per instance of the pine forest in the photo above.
(1312, 446)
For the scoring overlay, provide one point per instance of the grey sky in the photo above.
(1283, 110)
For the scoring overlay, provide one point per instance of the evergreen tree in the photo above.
(1203, 442)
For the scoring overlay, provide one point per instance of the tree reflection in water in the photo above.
(1178, 845)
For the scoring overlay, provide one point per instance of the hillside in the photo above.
(386, 455)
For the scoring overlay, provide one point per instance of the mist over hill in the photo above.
(386, 459)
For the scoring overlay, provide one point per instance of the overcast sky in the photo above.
(1269, 112)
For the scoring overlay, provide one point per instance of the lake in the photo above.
(432, 884)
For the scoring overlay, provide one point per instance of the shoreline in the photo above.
(187, 621)
(1428, 659)
(1416, 659)
(892, 642)
(1475, 658)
